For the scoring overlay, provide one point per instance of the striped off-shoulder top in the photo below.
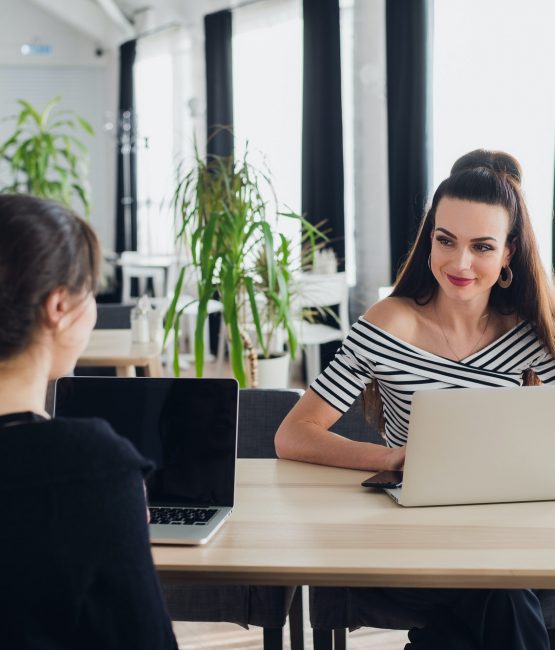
(370, 353)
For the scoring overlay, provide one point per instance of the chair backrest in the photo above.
(113, 316)
(325, 290)
(355, 426)
(261, 411)
(161, 270)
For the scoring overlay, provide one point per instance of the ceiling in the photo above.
(112, 22)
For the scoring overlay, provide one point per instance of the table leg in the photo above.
(125, 371)
(154, 368)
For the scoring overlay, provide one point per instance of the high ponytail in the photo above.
(498, 162)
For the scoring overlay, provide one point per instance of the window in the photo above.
(163, 131)
(267, 97)
(347, 107)
(494, 88)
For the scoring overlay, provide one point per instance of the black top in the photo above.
(75, 563)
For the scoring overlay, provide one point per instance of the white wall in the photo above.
(87, 83)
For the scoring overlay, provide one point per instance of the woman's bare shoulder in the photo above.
(396, 315)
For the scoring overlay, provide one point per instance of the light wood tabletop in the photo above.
(114, 348)
(296, 523)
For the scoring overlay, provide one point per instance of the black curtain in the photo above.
(408, 35)
(219, 83)
(219, 105)
(126, 206)
(322, 153)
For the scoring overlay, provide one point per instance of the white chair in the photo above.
(318, 290)
(160, 269)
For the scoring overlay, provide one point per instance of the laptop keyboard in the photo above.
(181, 516)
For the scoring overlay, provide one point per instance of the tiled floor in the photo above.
(227, 636)
(224, 636)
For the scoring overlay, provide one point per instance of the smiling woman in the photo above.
(476, 254)
(469, 247)
(472, 307)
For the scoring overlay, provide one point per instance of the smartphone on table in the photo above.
(386, 479)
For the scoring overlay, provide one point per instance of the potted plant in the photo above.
(44, 157)
(238, 254)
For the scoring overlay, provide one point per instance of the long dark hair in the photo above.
(491, 177)
(43, 246)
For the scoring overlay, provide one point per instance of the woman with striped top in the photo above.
(472, 306)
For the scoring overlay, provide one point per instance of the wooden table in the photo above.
(296, 523)
(114, 348)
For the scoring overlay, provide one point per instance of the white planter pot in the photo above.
(273, 372)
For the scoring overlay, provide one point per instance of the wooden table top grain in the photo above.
(296, 523)
(113, 347)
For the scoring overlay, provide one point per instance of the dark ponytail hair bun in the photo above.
(43, 246)
(497, 161)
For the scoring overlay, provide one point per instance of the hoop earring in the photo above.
(430, 261)
(505, 277)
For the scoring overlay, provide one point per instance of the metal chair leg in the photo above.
(296, 628)
(340, 639)
(273, 638)
(323, 639)
(330, 639)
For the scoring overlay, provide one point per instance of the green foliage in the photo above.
(237, 255)
(44, 157)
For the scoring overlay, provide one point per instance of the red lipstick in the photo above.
(459, 282)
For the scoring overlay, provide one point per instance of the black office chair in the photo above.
(113, 316)
(260, 413)
(333, 610)
(109, 316)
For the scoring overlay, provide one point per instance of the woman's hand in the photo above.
(396, 457)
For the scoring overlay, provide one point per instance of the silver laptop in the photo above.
(479, 445)
(188, 427)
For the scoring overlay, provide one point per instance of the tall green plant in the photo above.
(43, 156)
(236, 253)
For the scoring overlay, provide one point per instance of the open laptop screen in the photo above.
(188, 427)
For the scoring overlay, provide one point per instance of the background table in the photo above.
(296, 523)
(114, 348)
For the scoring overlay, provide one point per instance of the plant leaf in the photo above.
(170, 313)
(85, 125)
(46, 112)
(29, 111)
(255, 315)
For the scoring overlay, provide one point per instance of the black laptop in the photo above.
(188, 427)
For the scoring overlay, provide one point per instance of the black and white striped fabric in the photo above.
(400, 369)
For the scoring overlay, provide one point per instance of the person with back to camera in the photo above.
(471, 306)
(74, 550)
